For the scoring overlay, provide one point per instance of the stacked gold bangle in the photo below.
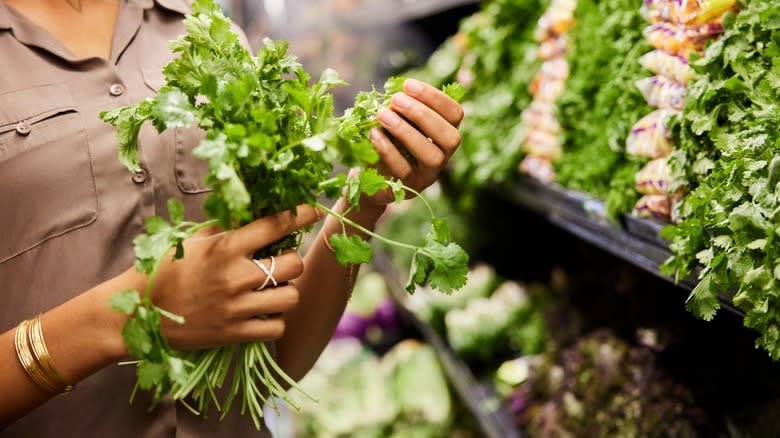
(35, 359)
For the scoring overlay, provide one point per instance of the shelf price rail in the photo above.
(635, 241)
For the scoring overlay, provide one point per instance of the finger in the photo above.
(429, 122)
(394, 162)
(208, 231)
(436, 100)
(256, 329)
(283, 268)
(272, 300)
(418, 145)
(264, 231)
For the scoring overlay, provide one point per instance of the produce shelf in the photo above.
(480, 398)
(635, 240)
(372, 13)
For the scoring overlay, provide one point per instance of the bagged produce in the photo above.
(539, 168)
(681, 40)
(547, 88)
(670, 66)
(558, 18)
(657, 206)
(661, 92)
(649, 137)
(685, 11)
(541, 115)
(553, 47)
(654, 178)
(557, 68)
(656, 11)
(542, 144)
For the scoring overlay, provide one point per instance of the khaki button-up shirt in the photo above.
(69, 210)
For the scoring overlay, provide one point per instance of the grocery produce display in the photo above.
(600, 386)
(601, 103)
(494, 57)
(404, 392)
(542, 143)
(677, 31)
(670, 101)
(728, 138)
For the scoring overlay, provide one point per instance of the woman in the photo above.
(69, 212)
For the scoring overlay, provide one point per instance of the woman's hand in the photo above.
(432, 140)
(214, 286)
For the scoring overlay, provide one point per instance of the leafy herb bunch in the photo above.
(729, 137)
(495, 51)
(601, 103)
(271, 141)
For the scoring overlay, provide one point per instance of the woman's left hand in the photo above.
(432, 139)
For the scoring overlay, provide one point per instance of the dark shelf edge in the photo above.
(394, 11)
(494, 424)
(638, 243)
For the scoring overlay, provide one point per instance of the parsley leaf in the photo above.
(350, 250)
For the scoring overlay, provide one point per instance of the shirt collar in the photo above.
(181, 6)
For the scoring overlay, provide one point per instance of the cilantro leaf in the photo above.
(371, 182)
(454, 90)
(350, 250)
(125, 302)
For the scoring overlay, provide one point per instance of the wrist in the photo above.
(366, 214)
(107, 322)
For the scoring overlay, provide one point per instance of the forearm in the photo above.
(82, 336)
(325, 289)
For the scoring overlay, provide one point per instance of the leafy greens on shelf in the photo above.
(601, 103)
(271, 139)
(729, 139)
(495, 47)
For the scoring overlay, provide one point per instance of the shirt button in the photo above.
(139, 176)
(116, 89)
(23, 128)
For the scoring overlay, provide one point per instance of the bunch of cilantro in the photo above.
(601, 103)
(729, 140)
(500, 55)
(271, 139)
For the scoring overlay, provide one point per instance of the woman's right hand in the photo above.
(214, 285)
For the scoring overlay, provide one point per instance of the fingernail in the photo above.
(402, 101)
(375, 135)
(413, 87)
(388, 118)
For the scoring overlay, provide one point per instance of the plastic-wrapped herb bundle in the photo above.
(271, 139)
(729, 143)
(601, 103)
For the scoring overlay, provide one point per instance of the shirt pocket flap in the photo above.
(34, 104)
(153, 77)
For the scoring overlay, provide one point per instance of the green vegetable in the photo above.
(601, 103)
(403, 393)
(729, 139)
(270, 144)
(500, 56)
